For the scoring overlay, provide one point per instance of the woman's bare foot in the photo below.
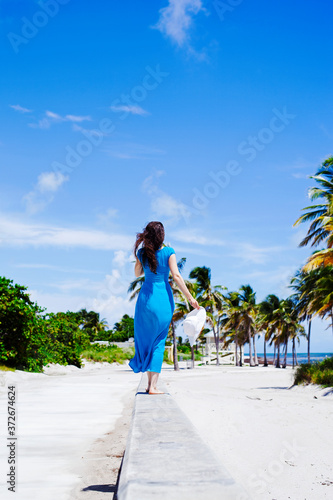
(153, 390)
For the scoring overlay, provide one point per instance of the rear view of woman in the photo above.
(155, 304)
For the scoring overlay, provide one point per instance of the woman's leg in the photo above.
(153, 389)
(149, 374)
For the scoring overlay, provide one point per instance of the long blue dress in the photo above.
(153, 314)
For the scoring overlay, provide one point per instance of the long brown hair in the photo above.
(151, 238)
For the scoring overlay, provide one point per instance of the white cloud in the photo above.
(108, 297)
(43, 124)
(297, 236)
(249, 253)
(54, 116)
(15, 233)
(56, 302)
(83, 284)
(162, 204)
(132, 151)
(298, 175)
(112, 307)
(74, 118)
(109, 306)
(19, 108)
(177, 18)
(93, 133)
(51, 117)
(60, 269)
(42, 194)
(50, 181)
(276, 279)
(121, 258)
(106, 217)
(134, 109)
(196, 236)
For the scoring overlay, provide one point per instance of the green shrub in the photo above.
(302, 374)
(320, 373)
(166, 358)
(327, 363)
(185, 356)
(184, 348)
(22, 332)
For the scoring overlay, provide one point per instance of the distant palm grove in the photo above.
(31, 338)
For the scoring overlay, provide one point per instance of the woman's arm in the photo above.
(180, 282)
(138, 269)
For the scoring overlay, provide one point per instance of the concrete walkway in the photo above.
(166, 459)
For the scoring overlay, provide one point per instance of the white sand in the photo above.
(60, 414)
(277, 443)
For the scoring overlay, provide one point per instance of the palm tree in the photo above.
(285, 324)
(265, 318)
(92, 323)
(248, 312)
(232, 323)
(276, 325)
(304, 283)
(210, 297)
(292, 327)
(321, 303)
(321, 215)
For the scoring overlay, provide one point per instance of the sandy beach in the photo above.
(276, 442)
(69, 429)
(73, 425)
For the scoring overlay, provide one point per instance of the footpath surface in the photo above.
(165, 457)
(60, 415)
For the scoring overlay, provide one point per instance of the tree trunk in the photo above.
(293, 352)
(296, 362)
(274, 354)
(277, 364)
(250, 345)
(216, 346)
(175, 356)
(309, 333)
(265, 355)
(236, 350)
(192, 356)
(285, 354)
(255, 351)
(240, 355)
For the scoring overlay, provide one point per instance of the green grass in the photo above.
(320, 372)
(185, 356)
(108, 354)
(5, 368)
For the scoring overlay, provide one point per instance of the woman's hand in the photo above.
(193, 302)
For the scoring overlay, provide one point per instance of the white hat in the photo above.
(193, 324)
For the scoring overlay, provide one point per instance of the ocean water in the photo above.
(302, 357)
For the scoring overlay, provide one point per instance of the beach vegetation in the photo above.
(107, 354)
(319, 372)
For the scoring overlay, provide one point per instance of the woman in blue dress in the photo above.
(155, 304)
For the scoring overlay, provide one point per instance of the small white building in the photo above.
(226, 354)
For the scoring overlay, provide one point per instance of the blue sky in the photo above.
(208, 116)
